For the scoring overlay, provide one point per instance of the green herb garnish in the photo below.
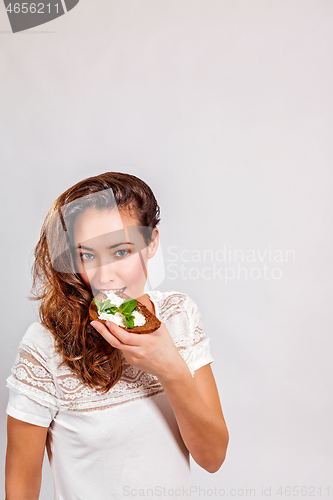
(126, 309)
(128, 306)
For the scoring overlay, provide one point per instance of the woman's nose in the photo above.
(106, 273)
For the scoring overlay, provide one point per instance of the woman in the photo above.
(118, 412)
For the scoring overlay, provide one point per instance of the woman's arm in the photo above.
(196, 404)
(24, 459)
(195, 400)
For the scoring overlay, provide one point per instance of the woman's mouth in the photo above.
(114, 290)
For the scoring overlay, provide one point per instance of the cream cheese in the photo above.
(119, 319)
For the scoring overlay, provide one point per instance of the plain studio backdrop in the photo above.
(225, 108)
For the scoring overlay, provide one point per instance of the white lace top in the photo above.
(111, 445)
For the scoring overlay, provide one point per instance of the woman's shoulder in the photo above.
(173, 299)
(39, 338)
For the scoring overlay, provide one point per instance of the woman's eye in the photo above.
(122, 253)
(87, 256)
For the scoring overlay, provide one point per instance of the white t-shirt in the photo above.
(122, 444)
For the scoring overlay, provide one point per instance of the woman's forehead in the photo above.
(93, 223)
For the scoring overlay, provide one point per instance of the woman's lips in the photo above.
(111, 289)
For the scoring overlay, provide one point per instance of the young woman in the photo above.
(119, 412)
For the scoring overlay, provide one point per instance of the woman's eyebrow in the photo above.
(82, 247)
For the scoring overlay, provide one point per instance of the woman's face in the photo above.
(110, 251)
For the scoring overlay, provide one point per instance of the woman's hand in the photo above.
(154, 353)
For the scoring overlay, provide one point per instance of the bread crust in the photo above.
(152, 323)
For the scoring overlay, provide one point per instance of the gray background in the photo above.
(225, 109)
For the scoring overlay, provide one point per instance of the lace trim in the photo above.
(133, 384)
(60, 388)
(31, 378)
(191, 355)
(66, 391)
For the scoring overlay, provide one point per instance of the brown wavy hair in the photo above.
(64, 297)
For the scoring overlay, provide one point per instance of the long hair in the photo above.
(64, 297)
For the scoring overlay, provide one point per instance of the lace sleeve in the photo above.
(197, 353)
(182, 318)
(31, 377)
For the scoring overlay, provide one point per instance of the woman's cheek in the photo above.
(134, 268)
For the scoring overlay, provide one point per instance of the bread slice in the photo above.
(151, 324)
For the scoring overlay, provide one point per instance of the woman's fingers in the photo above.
(125, 337)
(106, 334)
(116, 335)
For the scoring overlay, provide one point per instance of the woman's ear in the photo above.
(153, 245)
